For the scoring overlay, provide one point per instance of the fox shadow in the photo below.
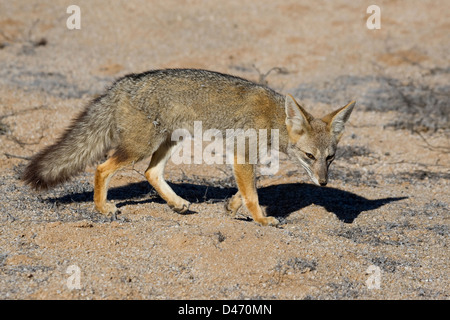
(279, 200)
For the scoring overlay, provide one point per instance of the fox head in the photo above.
(312, 141)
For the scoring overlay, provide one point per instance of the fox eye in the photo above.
(330, 157)
(309, 155)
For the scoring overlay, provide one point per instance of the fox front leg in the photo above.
(245, 179)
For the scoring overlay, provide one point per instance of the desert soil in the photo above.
(379, 230)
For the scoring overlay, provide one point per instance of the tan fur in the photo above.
(245, 180)
(139, 112)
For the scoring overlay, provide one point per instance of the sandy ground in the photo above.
(379, 230)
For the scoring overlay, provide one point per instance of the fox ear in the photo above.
(337, 119)
(297, 119)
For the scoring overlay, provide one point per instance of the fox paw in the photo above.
(107, 208)
(269, 221)
(231, 211)
(181, 207)
(233, 204)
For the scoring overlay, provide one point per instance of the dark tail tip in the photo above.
(33, 178)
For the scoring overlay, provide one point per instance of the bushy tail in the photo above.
(89, 137)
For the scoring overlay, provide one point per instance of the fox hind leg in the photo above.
(155, 176)
(103, 175)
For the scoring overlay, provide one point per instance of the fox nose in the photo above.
(323, 183)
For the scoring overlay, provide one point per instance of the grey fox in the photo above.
(138, 113)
